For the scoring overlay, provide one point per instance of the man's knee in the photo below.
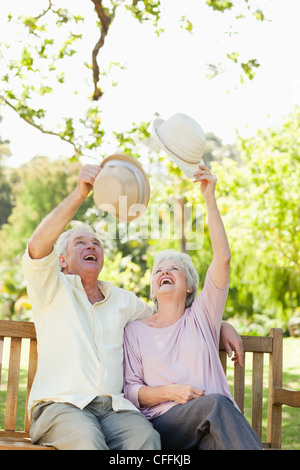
(66, 427)
(143, 436)
(91, 439)
(149, 440)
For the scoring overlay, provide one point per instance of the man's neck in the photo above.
(92, 291)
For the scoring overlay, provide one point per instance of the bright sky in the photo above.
(168, 74)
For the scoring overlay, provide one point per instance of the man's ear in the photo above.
(62, 261)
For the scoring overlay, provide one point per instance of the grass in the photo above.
(291, 379)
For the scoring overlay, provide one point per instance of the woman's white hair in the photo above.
(183, 260)
(62, 241)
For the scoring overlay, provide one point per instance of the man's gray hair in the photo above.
(185, 261)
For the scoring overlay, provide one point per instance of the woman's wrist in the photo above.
(150, 396)
(211, 202)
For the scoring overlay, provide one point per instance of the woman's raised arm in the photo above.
(220, 266)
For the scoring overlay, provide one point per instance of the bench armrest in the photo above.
(283, 396)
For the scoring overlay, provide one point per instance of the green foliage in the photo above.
(259, 197)
(220, 5)
(127, 274)
(6, 201)
(248, 67)
(36, 67)
(5, 198)
(38, 187)
(14, 303)
(145, 10)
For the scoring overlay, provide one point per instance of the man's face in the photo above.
(84, 254)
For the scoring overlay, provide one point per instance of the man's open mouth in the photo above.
(90, 258)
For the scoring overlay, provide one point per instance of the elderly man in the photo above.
(76, 401)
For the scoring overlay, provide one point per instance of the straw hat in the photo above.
(183, 139)
(122, 187)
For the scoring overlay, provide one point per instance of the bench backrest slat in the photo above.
(275, 380)
(239, 386)
(15, 332)
(1, 355)
(13, 384)
(257, 392)
(31, 373)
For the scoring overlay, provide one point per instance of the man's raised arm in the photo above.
(44, 237)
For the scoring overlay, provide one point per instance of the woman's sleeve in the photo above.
(209, 305)
(133, 368)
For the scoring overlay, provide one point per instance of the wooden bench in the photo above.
(17, 332)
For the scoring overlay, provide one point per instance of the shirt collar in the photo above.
(105, 288)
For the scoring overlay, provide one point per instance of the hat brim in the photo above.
(143, 203)
(189, 169)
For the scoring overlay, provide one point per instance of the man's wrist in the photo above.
(79, 196)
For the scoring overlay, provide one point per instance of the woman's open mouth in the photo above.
(166, 280)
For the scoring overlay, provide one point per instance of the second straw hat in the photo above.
(183, 139)
(122, 188)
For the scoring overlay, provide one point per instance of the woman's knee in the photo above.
(218, 400)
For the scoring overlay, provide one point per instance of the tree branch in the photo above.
(77, 151)
(105, 21)
(44, 12)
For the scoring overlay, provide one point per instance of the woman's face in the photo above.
(169, 278)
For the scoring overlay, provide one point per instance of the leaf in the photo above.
(220, 5)
(248, 68)
(233, 56)
(26, 59)
(259, 15)
(186, 24)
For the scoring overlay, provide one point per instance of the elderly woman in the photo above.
(172, 370)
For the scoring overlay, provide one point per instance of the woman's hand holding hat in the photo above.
(207, 180)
